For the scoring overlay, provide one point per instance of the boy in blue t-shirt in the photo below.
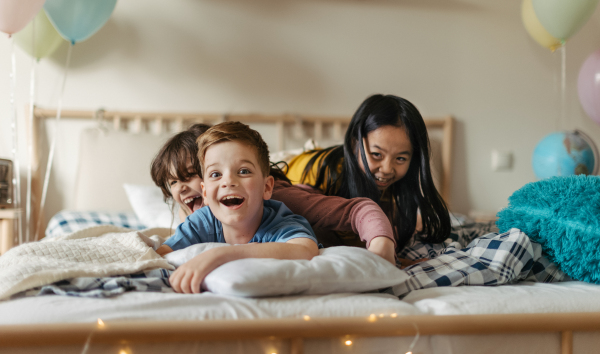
(236, 189)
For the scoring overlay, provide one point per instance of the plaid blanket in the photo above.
(66, 222)
(156, 280)
(492, 259)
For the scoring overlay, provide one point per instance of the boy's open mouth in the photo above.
(232, 200)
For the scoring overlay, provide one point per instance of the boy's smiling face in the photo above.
(234, 186)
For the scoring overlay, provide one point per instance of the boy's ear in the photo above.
(203, 190)
(269, 185)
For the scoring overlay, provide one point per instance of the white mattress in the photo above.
(520, 298)
(523, 297)
(205, 306)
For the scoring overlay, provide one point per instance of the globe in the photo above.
(564, 154)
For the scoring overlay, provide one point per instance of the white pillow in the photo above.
(335, 270)
(148, 205)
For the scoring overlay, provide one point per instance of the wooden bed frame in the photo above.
(297, 330)
(294, 330)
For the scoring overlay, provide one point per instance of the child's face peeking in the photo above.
(234, 186)
(188, 194)
(388, 151)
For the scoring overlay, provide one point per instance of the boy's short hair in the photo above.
(234, 131)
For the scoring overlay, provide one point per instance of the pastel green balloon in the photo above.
(46, 38)
(535, 28)
(563, 18)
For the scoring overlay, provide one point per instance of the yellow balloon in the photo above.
(47, 39)
(535, 29)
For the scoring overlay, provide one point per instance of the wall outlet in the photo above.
(502, 160)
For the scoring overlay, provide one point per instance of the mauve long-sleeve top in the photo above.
(336, 220)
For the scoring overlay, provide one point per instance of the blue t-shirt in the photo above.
(278, 224)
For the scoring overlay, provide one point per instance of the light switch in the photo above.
(502, 160)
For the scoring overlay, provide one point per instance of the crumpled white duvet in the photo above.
(97, 251)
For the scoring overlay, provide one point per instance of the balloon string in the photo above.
(563, 86)
(15, 132)
(30, 135)
(53, 144)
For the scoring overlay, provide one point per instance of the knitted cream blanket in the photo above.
(98, 251)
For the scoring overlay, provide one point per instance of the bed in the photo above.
(519, 318)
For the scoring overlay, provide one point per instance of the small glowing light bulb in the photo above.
(394, 315)
(123, 351)
(381, 315)
(408, 352)
(100, 323)
(306, 317)
(372, 318)
(348, 342)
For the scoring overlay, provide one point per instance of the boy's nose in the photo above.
(227, 181)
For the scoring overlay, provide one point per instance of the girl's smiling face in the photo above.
(234, 186)
(188, 193)
(389, 152)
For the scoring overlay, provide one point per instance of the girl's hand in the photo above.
(383, 247)
(164, 249)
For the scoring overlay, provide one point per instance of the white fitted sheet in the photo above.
(524, 297)
(205, 306)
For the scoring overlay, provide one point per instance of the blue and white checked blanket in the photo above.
(66, 222)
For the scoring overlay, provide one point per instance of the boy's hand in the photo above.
(188, 278)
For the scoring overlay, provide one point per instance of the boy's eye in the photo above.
(244, 171)
(214, 174)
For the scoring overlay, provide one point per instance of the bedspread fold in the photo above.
(98, 251)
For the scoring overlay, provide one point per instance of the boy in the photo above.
(236, 189)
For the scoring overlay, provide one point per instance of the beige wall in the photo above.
(471, 59)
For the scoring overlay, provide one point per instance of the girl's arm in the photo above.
(362, 216)
(163, 249)
(188, 278)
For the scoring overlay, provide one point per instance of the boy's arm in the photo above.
(188, 278)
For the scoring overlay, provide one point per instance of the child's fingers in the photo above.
(186, 280)
(175, 281)
(195, 283)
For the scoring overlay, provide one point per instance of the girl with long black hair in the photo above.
(385, 157)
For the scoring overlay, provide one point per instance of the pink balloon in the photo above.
(16, 14)
(588, 86)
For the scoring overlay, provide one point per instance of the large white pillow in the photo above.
(148, 205)
(336, 270)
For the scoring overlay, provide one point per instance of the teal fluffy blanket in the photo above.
(563, 215)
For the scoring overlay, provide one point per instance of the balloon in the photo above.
(588, 86)
(535, 28)
(46, 38)
(16, 14)
(78, 20)
(562, 18)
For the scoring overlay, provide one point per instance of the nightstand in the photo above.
(7, 228)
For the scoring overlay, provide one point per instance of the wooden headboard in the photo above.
(324, 129)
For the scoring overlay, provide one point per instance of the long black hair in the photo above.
(415, 191)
